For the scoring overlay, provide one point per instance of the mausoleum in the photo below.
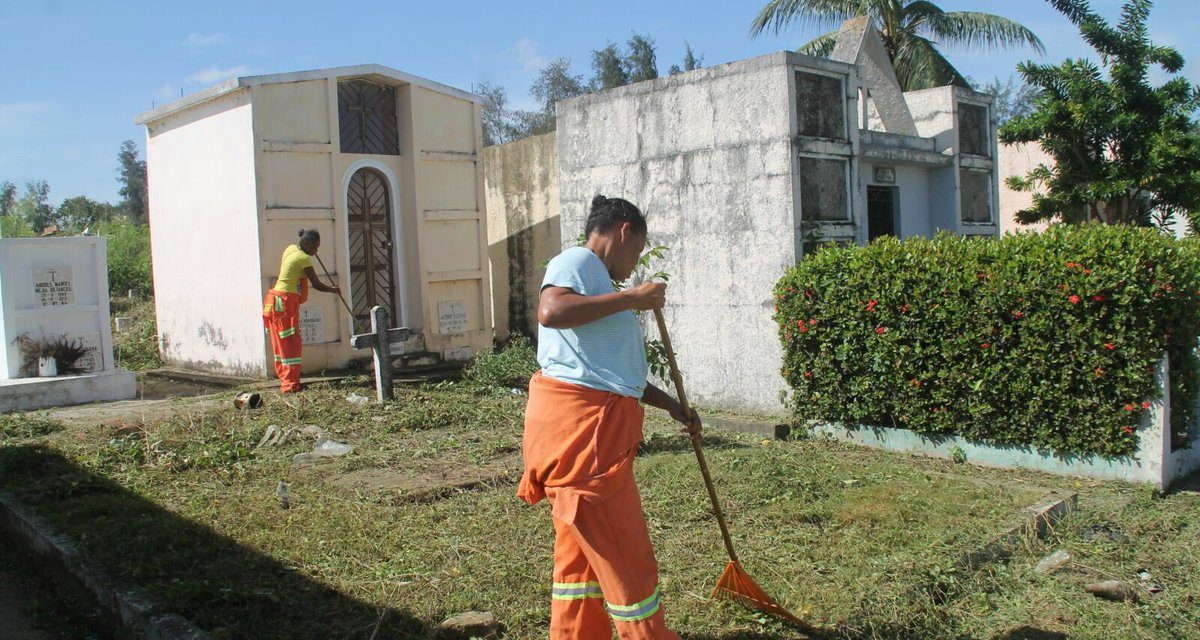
(741, 168)
(385, 165)
(53, 298)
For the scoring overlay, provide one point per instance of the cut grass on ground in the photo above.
(186, 508)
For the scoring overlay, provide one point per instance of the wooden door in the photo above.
(372, 268)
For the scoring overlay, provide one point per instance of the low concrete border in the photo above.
(64, 564)
(1155, 463)
(30, 394)
(772, 430)
(1036, 522)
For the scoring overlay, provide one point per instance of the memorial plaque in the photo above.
(92, 361)
(53, 286)
(452, 316)
(312, 325)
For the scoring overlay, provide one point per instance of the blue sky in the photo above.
(75, 73)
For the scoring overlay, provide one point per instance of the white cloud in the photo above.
(526, 53)
(25, 114)
(205, 39)
(215, 74)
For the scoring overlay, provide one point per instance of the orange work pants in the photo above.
(579, 447)
(281, 317)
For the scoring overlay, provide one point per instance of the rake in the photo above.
(734, 584)
(353, 324)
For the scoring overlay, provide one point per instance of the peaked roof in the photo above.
(362, 70)
(859, 43)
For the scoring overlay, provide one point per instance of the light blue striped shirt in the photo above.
(607, 354)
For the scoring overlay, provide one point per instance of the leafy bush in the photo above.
(1049, 340)
(128, 256)
(509, 367)
(136, 348)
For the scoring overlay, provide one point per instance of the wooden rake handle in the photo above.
(339, 295)
(708, 483)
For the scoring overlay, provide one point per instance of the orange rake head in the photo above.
(735, 584)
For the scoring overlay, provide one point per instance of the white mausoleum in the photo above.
(384, 164)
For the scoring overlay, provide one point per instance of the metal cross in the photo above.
(380, 341)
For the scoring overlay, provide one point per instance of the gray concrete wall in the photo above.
(521, 190)
(708, 157)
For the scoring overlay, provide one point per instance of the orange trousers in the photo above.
(579, 447)
(281, 317)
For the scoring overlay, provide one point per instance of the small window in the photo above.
(974, 131)
(367, 118)
(823, 192)
(976, 188)
(820, 106)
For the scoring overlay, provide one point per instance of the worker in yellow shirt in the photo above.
(281, 308)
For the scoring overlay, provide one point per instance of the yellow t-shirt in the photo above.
(291, 272)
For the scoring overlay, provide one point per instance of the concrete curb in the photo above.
(772, 430)
(1037, 520)
(66, 566)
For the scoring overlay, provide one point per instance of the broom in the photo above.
(734, 584)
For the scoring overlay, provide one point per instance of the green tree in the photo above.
(131, 173)
(690, 61)
(608, 67)
(1012, 100)
(911, 31)
(15, 227)
(8, 197)
(1124, 152)
(641, 63)
(553, 84)
(128, 255)
(80, 213)
(496, 116)
(34, 207)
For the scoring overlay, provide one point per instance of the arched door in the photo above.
(372, 272)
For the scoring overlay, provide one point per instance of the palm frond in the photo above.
(820, 46)
(920, 65)
(981, 30)
(777, 15)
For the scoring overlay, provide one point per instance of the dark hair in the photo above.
(309, 235)
(608, 212)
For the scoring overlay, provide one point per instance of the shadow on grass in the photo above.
(186, 568)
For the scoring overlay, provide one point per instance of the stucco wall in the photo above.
(451, 218)
(521, 180)
(204, 236)
(1018, 160)
(707, 156)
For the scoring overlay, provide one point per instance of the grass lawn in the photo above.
(420, 522)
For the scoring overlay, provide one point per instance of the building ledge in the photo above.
(902, 149)
(30, 394)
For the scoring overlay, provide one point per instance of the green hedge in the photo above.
(1048, 339)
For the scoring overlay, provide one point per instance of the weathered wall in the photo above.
(707, 155)
(204, 236)
(1018, 160)
(521, 186)
(451, 220)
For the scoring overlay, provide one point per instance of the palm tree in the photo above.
(911, 30)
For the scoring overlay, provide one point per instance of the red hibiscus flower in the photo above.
(1145, 405)
(803, 327)
(881, 330)
(1110, 346)
(1075, 299)
(808, 375)
(985, 345)
(812, 322)
(871, 304)
(1127, 430)
(904, 308)
(1098, 298)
